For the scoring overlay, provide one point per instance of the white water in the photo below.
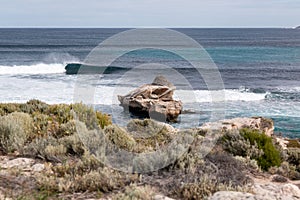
(40, 68)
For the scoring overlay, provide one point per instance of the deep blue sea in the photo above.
(260, 69)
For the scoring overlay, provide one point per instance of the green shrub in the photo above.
(15, 129)
(234, 143)
(103, 119)
(271, 156)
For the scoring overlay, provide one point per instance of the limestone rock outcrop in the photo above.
(153, 100)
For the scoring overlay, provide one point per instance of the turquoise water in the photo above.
(260, 69)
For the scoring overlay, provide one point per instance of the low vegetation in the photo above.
(253, 144)
(67, 139)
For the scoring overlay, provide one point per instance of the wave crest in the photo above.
(40, 68)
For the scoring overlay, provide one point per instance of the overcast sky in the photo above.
(149, 13)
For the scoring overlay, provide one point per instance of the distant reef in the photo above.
(78, 68)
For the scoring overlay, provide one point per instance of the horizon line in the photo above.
(136, 27)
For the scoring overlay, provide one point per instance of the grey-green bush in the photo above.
(15, 129)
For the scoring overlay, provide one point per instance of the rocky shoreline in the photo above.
(41, 157)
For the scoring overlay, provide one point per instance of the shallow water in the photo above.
(260, 69)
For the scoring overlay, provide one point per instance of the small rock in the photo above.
(38, 167)
(162, 81)
(262, 192)
(20, 163)
(229, 195)
(257, 123)
(161, 197)
(290, 190)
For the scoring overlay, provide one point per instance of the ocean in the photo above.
(260, 69)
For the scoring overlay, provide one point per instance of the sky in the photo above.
(149, 13)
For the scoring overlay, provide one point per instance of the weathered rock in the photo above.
(230, 195)
(38, 167)
(257, 123)
(283, 142)
(162, 81)
(153, 100)
(286, 191)
(20, 163)
(161, 197)
(262, 192)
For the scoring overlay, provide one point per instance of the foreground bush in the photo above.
(271, 156)
(253, 144)
(15, 129)
(46, 131)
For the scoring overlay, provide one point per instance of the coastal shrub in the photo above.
(293, 158)
(206, 187)
(293, 144)
(104, 180)
(218, 171)
(287, 170)
(147, 127)
(37, 148)
(60, 113)
(73, 145)
(7, 108)
(63, 113)
(229, 169)
(149, 134)
(234, 143)
(40, 123)
(251, 164)
(190, 159)
(119, 137)
(66, 178)
(48, 119)
(15, 129)
(33, 106)
(90, 117)
(55, 151)
(134, 192)
(271, 156)
(103, 119)
(66, 129)
(279, 179)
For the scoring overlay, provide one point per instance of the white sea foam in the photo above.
(108, 95)
(40, 68)
(217, 96)
(14, 89)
